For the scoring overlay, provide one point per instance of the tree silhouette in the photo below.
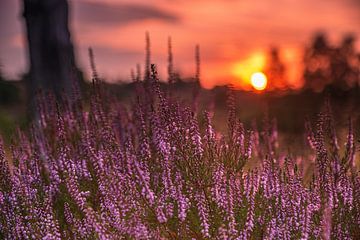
(343, 64)
(9, 94)
(324, 65)
(275, 70)
(317, 63)
(1, 74)
(51, 54)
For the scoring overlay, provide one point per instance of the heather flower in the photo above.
(210, 133)
(154, 171)
(203, 214)
(219, 192)
(183, 201)
(326, 222)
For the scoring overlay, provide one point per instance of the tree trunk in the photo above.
(51, 53)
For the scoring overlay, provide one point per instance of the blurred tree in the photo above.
(324, 65)
(1, 75)
(9, 94)
(275, 70)
(52, 61)
(343, 69)
(317, 63)
(357, 66)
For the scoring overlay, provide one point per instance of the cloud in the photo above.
(119, 14)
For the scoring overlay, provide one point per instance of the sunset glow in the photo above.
(259, 81)
(234, 36)
(244, 70)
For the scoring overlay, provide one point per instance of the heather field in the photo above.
(157, 169)
(201, 120)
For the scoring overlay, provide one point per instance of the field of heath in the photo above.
(159, 170)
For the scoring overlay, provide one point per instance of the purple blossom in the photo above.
(154, 171)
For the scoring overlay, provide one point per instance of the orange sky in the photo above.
(234, 35)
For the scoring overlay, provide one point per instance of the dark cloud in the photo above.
(118, 14)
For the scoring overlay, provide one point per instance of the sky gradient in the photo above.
(234, 35)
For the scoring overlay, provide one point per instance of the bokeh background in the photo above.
(307, 49)
(233, 34)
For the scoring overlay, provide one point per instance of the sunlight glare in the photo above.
(259, 81)
(243, 70)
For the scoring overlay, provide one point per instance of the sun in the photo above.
(243, 70)
(259, 81)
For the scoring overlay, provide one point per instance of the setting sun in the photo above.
(243, 70)
(259, 81)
